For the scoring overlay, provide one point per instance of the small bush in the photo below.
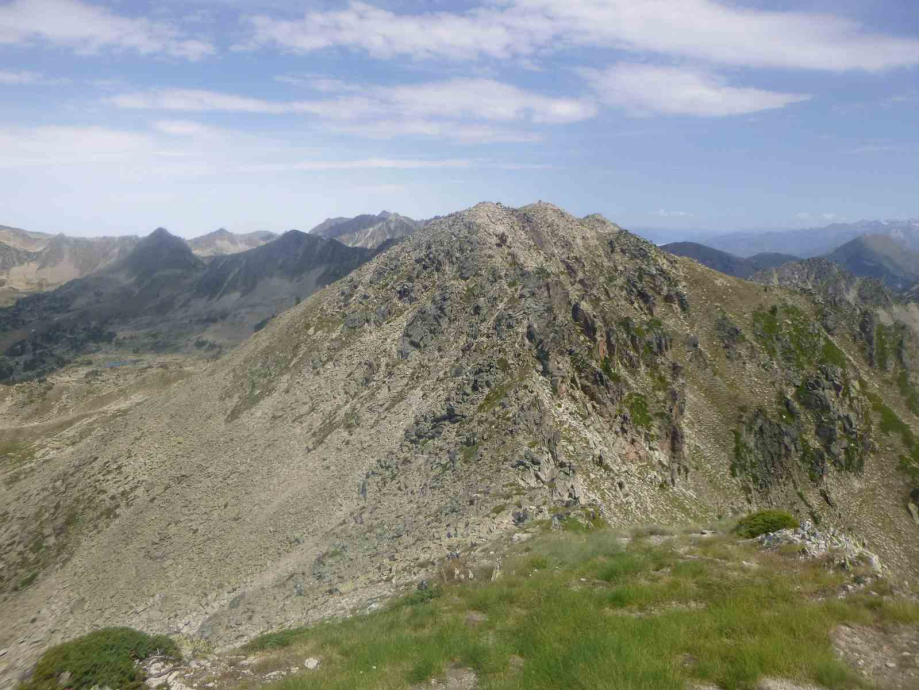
(107, 657)
(765, 521)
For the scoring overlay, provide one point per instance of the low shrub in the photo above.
(107, 657)
(765, 521)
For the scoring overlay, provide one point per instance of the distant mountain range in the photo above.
(814, 241)
(727, 263)
(35, 262)
(222, 242)
(162, 297)
(879, 256)
(367, 231)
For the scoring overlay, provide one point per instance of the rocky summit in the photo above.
(498, 368)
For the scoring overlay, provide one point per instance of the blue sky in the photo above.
(119, 116)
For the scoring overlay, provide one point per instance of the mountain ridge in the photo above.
(879, 256)
(725, 262)
(500, 367)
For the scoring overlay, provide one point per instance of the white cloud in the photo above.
(482, 99)
(705, 30)
(464, 133)
(671, 214)
(318, 82)
(44, 146)
(463, 110)
(203, 151)
(644, 89)
(90, 28)
(184, 128)
(17, 78)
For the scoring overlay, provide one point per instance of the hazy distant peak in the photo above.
(221, 242)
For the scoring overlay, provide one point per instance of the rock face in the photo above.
(367, 231)
(498, 367)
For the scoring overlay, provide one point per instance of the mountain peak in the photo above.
(160, 251)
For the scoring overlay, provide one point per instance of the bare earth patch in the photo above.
(889, 658)
(456, 679)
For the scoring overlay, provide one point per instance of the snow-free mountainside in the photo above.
(495, 371)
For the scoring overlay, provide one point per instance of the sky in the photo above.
(120, 116)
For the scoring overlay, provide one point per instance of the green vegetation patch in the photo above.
(909, 392)
(637, 406)
(107, 657)
(891, 422)
(831, 354)
(764, 522)
(587, 611)
(882, 346)
(787, 333)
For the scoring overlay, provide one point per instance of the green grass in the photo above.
(831, 354)
(585, 611)
(106, 657)
(763, 522)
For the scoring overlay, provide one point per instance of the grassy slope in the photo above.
(598, 611)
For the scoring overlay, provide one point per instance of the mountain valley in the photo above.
(161, 297)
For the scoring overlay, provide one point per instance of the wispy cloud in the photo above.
(662, 213)
(363, 164)
(483, 99)
(705, 30)
(319, 82)
(460, 132)
(185, 128)
(465, 110)
(88, 29)
(25, 78)
(644, 89)
(827, 217)
(189, 149)
(874, 148)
